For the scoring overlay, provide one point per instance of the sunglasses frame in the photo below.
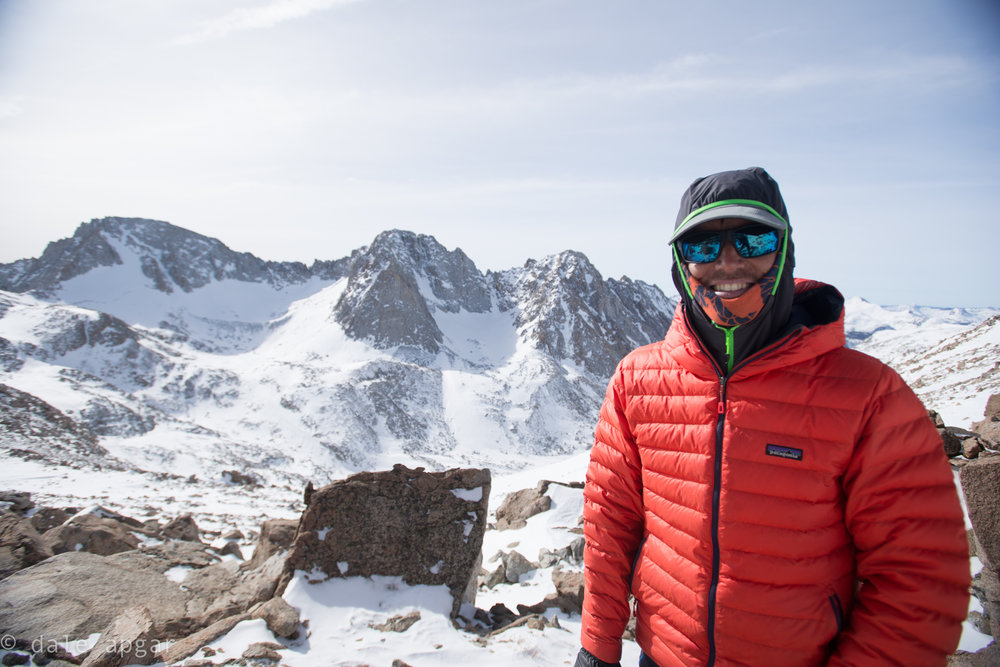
(727, 236)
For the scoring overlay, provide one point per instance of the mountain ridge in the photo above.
(400, 350)
(184, 357)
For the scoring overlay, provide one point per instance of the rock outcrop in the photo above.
(20, 544)
(990, 426)
(102, 580)
(424, 527)
(981, 487)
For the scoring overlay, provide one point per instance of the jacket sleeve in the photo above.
(903, 511)
(613, 527)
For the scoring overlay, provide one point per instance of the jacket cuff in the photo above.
(587, 659)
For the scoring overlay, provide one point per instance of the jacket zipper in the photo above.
(838, 612)
(716, 499)
(717, 472)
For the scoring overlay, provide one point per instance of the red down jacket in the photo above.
(799, 512)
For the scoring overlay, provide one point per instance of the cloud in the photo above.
(10, 108)
(258, 18)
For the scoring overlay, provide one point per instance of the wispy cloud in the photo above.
(10, 107)
(258, 18)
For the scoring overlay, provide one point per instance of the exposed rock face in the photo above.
(981, 486)
(990, 426)
(34, 429)
(281, 619)
(90, 533)
(424, 527)
(20, 544)
(130, 639)
(565, 308)
(48, 517)
(383, 301)
(275, 535)
(521, 505)
(174, 258)
(534, 345)
(75, 594)
(182, 528)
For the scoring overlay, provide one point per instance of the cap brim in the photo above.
(752, 213)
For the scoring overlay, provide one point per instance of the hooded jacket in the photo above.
(794, 508)
(701, 203)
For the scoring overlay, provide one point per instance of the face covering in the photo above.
(732, 312)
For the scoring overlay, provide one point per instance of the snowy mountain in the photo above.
(174, 366)
(949, 356)
(178, 355)
(156, 348)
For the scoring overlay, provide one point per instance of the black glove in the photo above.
(587, 659)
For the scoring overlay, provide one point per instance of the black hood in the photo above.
(750, 194)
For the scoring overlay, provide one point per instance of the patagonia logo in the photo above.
(784, 452)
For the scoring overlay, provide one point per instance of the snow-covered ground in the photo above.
(339, 614)
(276, 387)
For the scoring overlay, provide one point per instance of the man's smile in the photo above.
(731, 290)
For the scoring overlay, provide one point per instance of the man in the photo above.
(768, 496)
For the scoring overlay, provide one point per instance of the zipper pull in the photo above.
(722, 407)
(722, 396)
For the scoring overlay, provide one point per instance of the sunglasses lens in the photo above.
(752, 241)
(701, 248)
(755, 242)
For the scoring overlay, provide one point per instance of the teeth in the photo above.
(731, 287)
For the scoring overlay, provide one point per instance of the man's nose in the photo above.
(728, 255)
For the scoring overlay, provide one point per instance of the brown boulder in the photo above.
(263, 651)
(980, 481)
(426, 528)
(20, 544)
(129, 640)
(519, 506)
(47, 518)
(219, 591)
(981, 486)
(91, 533)
(275, 535)
(281, 618)
(76, 594)
(952, 443)
(182, 528)
(989, 428)
(18, 502)
(567, 598)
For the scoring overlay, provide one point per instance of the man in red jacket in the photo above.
(766, 495)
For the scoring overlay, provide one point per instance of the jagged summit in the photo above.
(171, 257)
(147, 334)
(182, 356)
(396, 284)
(570, 311)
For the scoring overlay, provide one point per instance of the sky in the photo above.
(514, 129)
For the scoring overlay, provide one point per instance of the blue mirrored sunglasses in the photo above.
(750, 241)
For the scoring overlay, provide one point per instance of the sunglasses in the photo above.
(750, 241)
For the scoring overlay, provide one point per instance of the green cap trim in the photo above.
(734, 202)
(748, 209)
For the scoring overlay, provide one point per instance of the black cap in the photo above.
(750, 194)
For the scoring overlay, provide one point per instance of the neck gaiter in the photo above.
(732, 312)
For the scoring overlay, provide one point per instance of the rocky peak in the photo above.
(62, 260)
(397, 283)
(567, 309)
(170, 256)
(454, 281)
